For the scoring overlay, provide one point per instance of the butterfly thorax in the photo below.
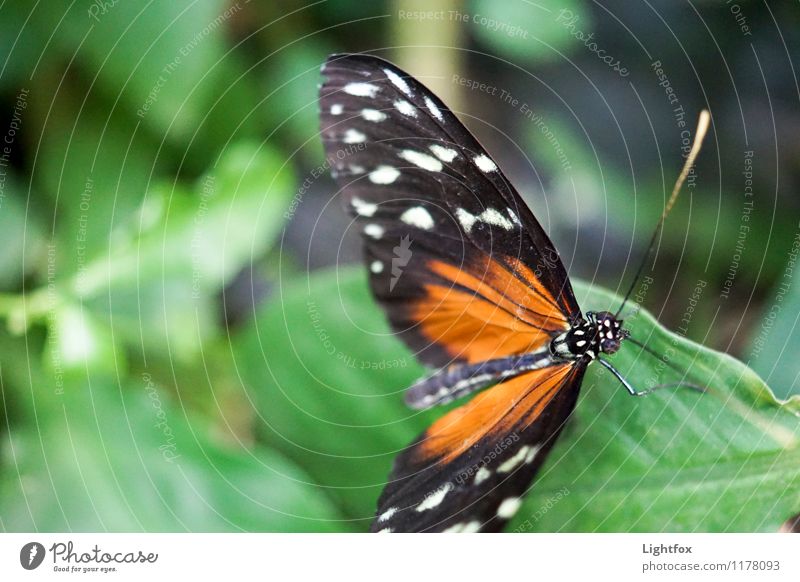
(600, 332)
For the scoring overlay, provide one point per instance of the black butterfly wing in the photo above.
(457, 260)
(469, 471)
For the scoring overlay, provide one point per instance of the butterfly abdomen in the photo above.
(460, 380)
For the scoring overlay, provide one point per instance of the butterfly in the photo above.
(471, 282)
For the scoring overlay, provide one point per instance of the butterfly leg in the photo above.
(634, 392)
(621, 378)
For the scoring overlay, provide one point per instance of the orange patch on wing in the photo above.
(509, 406)
(472, 328)
(530, 277)
(486, 313)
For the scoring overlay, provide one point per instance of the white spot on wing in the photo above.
(405, 108)
(387, 514)
(398, 82)
(509, 507)
(361, 89)
(362, 207)
(434, 499)
(466, 219)
(385, 530)
(489, 216)
(469, 527)
(421, 160)
(513, 216)
(433, 109)
(443, 153)
(482, 475)
(419, 217)
(383, 175)
(354, 136)
(373, 115)
(336, 109)
(532, 454)
(484, 163)
(492, 216)
(509, 465)
(374, 230)
(581, 343)
(377, 268)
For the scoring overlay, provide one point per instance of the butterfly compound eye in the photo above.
(609, 331)
(609, 346)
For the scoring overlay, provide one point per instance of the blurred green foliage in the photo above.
(149, 204)
(504, 26)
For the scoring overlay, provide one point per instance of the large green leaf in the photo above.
(676, 460)
(316, 362)
(104, 457)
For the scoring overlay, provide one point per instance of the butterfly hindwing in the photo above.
(457, 260)
(470, 469)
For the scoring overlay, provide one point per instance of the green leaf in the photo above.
(677, 460)
(110, 458)
(168, 263)
(77, 344)
(94, 170)
(232, 216)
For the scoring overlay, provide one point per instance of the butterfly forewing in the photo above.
(422, 189)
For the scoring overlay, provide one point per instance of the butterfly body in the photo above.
(471, 283)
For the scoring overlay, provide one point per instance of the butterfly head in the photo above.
(609, 331)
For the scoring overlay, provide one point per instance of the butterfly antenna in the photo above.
(700, 133)
(656, 355)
